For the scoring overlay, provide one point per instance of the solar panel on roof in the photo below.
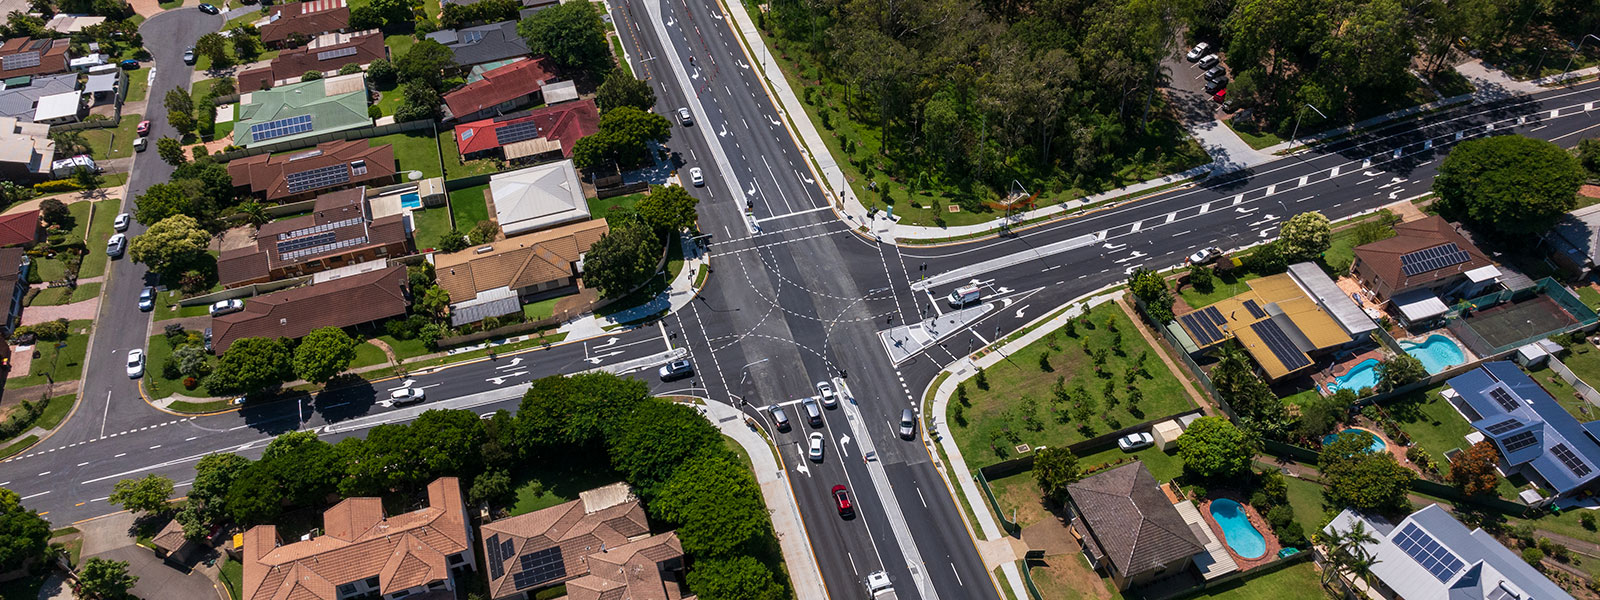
(1428, 552)
(1519, 441)
(279, 128)
(1505, 399)
(1215, 315)
(497, 567)
(21, 60)
(1255, 309)
(1503, 426)
(1278, 342)
(508, 549)
(1205, 333)
(516, 132)
(1571, 460)
(318, 178)
(336, 53)
(540, 567)
(285, 247)
(1432, 259)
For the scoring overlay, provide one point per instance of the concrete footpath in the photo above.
(804, 574)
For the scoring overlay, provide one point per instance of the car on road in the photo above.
(222, 307)
(696, 177)
(964, 295)
(1198, 51)
(1209, 61)
(144, 127)
(677, 369)
(188, 56)
(121, 222)
(208, 9)
(135, 363)
(139, 144)
(1205, 255)
(684, 118)
(908, 424)
(147, 299)
(825, 391)
(1215, 73)
(780, 419)
(116, 245)
(408, 395)
(1135, 441)
(815, 451)
(841, 499)
(813, 411)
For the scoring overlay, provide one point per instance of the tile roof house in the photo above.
(28, 56)
(1535, 435)
(599, 545)
(537, 197)
(343, 302)
(482, 44)
(304, 174)
(170, 541)
(1429, 555)
(547, 132)
(19, 96)
(14, 268)
(340, 230)
(325, 54)
(308, 19)
(26, 150)
(302, 110)
(1426, 259)
(364, 553)
(501, 90)
(1128, 526)
(20, 229)
(497, 278)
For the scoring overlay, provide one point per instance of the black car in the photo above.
(1216, 84)
(208, 9)
(129, 64)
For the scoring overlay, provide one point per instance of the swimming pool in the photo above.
(1377, 444)
(1237, 531)
(411, 200)
(1437, 353)
(1363, 375)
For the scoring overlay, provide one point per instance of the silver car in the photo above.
(684, 118)
(908, 424)
(1198, 51)
(407, 396)
(116, 245)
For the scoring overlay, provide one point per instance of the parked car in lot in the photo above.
(222, 307)
(121, 222)
(1135, 441)
(780, 419)
(136, 363)
(908, 424)
(684, 118)
(1209, 61)
(677, 369)
(408, 395)
(139, 144)
(116, 245)
(1205, 255)
(841, 499)
(696, 177)
(815, 450)
(1198, 51)
(825, 391)
(1215, 73)
(1215, 85)
(1221, 97)
(147, 299)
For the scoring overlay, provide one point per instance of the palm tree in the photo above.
(215, 46)
(254, 213)
(1347, 551)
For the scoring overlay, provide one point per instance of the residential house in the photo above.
(483, 44)
(1574, 241)
(341, 230)
(19, 96)
(498, 278)
(326, 55)
(28, 56)
(366, 294)
(1429, 555)
(1128, 527)
(14, 268)
(65, 23)
(1426, 262)
(26, 151)
(599, 545)
(1284, 321)
(537, 197)
(307, 20)
(538, 134)
(302, 110)
(501, 90)
(20, 229)
(1536, 436)
(56, 109)
(363, 554)
(327, 167)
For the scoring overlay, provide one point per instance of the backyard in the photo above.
(1299, 581)
(1023, 405)
(468, 207)
(600, 208)
(1431, 422)
(414, 151)
(546, 483)
(431, 225)
(454, 168)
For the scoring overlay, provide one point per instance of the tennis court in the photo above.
(1511, 322)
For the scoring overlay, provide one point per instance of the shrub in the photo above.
(56, 186)
(1532, 555)
(374, 112)
(311, 76)
(50, 331)
(190, 383)
(350, 69)
(1587, 519)
(1291, 534)
(1280, 515)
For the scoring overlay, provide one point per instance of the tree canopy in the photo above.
(1055, 468)
(251, 365)
(323, 353)
(1305, 236)
(171, 151)
(170, 245)
(623, 137)
(1151, 288)
(1356, 477)
(1511, 185)
(571, 34)
(1213, 448)
(103, 578)
(668, 207)
(619, 89)
(424, 63)
(734, 578)
(149, 494)
(1400, 370)
(622, 259)
(24, 535)
(1474, 470)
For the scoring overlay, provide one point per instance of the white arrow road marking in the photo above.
(1136, 254)
(1019, 311)
(774, 121)
(1111, 246)
(752, 190)
(1395, 195)
(609, 342)
(1245, 211)
(1006, 302)
(595, 360)
(743, 66)
(724, 132)
(844, 439)
(511, 365)
(1269, 218)
(404, 384)
(502, 379)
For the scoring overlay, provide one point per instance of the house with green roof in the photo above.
(302, 110)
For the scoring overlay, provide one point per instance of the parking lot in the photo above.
(1186, 85)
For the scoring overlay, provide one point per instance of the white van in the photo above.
(965, 295)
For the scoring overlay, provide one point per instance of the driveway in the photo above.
(86, 309)
(158, 579)
(1185, 90)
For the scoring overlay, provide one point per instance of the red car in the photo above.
(144, 128)
(841, 497)
(1221, 95)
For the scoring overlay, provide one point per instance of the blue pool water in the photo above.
(1363, 375)
(1237, 531)
(411, 200)
(1437, 353)
(1377, 442)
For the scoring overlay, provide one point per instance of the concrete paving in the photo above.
(160, 579)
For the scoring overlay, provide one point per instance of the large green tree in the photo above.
(571, 34)
(669, 208)
(251, 365)
(654, 438)
(621, 89)
(1305, 236)
(105, 579)
(171, 245)
(324, 353)
(1251, 398)
(420, 102)
(439, 443)
(1400, 370)
(1509, 185)
(212, 45)
(1213, 448)
(1356, 477)
(24, 535)
(624, 137)
(425, 63)
(1151, 288)
(734, 578)
(180, 110)
(622, 259)
(171, 151)
(1055, 468)
(148, 494)
(715, 503)
(572, 411)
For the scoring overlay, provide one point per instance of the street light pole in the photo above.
(1538, 68)
(1296, 134)
(1585, 38)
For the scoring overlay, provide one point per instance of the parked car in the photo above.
(147, 299)
(121, 222)
(188, 56)
(116, 245)
(830, 399)
(208, 339)
(129, 64)
(139, 144)
(1215, 73)
(1135, 441)
(696, 177)
(684, 118)
(677, 369)
(1220, 97)
(1198, 51)
(143, 128)
(408, 395)
(1214, 85)
(135, 363)
(780, 419)
(1209, 61)
(815, 451)
(841, 499)
(222, 307)
(208, 9)
(813, 411)
(908, 424)
(1205, 255)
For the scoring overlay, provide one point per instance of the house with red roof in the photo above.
(532, 136)
(501, 90)
(20, 229)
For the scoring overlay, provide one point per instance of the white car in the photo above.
(135, 363)
(222, 307)
(696, 177)
(684, 118)
(1198, 51)
(1135, 441)
(116, 245)
(816, 448)
(830, 398)
(407, 396)
(121, 224)
(1209, 61)
(1205, 255)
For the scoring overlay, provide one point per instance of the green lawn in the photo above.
(389, 99)
(1341, 251)
(1431, 422)
(982, 430)
(167, 307)
(1589, 296)
(158, 386)
(431, 224)
(616, 48)
(57, 296)
(399, 44)
(1226, 284)
(55, 410)
(600, 208)
(414, 151)
(404, 349)
(8, 451)
(558, 481)
(453, 166)
(199, 89)
(232, 575)
(368, 355)
(1300, 582)
(541, 309)
(1162, 465)
(1256, 140)
(1305, 497)
(138, 84)
(80, 218)
(100, 230)
(468, 207)
(57, 363)
(113, 142)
